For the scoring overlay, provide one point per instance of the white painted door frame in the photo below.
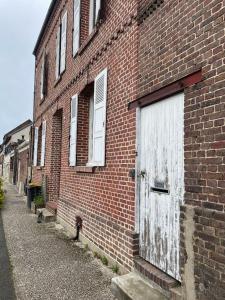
(138, 180)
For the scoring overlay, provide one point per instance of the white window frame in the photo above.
(105, 74)
(35, 154)
(43, 143)
(61, 41)
(76, 26)
(95, 7)
(73, 139)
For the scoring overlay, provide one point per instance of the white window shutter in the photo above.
(63, 43)
(43, 143)
(99, 128)
(35, 146)
(57, 54)
(97, 9)
(42, 76)
(91, 15)
(73, 131)
(76, 27)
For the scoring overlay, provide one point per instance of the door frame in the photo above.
(138, 164)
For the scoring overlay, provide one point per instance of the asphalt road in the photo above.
(6, 283)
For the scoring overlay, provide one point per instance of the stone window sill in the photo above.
(59, 78)
(84, 169)
(39, 168)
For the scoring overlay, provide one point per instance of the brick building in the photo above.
(129, 134)
(14, 155)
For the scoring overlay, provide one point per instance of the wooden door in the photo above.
(162, 182)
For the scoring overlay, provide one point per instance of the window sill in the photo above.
(84, 169)
(59, 78)
(87, 41)
(39, 167)
(42, 100)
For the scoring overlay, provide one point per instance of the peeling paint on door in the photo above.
(162, 186)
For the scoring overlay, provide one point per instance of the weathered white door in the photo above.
(162, 182)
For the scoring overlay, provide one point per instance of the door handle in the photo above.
(142, 173)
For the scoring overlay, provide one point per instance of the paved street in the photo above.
(6, 283)
(45, 264)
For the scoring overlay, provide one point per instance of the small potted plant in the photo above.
(38, 202)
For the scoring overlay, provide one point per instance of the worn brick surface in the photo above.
(145, 48)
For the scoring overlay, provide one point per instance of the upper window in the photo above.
(76, 26)
(44, 79)
(61, 47)
(94, 13)
(88, 124)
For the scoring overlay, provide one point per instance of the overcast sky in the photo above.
(20, 24)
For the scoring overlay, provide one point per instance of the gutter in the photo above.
(43, 28)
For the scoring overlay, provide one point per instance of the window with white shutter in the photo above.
(97, 10)
(42, 76)
(57, 67)
(94, 13)
(99, 126)
(43, 143)
(73, 131)
(76, 29)
(63, 43)
(35, 146)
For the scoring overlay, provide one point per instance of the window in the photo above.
(99, 123)
(61, 47)
(43, 143)
(39, 145)
(44, 79)
(73, 130)
(76, 26)
(94, 13)
(35, 154)
(88, 124)
(90, 130)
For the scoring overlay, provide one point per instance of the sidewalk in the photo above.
(45, 264)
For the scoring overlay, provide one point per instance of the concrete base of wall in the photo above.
(94, 248)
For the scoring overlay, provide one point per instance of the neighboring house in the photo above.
(1, 160)
(15, 155)
(129, 133)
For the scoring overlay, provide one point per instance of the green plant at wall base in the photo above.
(86, 248)
(97, 255)
(115, 269)
(39, 201)
(1, 193)
(104, 260)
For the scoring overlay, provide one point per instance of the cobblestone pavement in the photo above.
(45, 264)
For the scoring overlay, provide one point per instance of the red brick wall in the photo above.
(23, 158)
(175, 39)
(105, 199)
(178, 38)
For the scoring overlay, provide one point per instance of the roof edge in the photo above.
(48, 15)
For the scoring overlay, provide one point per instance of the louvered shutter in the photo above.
(73, 130)
(45, 83)
(97, 10)
(91, 15)
(76, 29)
(57, 53)
(63, 43)
(43, 143)
(35, 146)
(42, 76)
(99, 130)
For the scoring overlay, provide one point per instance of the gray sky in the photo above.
(20, 23)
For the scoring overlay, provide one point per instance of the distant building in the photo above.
(14, 155)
